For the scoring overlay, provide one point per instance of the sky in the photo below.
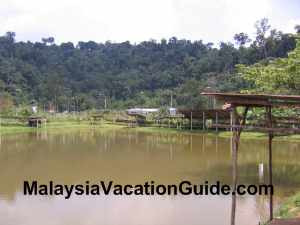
(142, 20)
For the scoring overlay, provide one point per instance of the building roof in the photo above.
(256, 100)
(207, 113)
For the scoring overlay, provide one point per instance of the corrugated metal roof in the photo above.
(256, 99)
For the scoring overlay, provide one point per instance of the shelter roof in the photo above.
(256, 100)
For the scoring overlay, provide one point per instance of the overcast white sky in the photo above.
(139, 20)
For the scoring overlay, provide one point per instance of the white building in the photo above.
(34, 109)
(146, 111)
(141, 111)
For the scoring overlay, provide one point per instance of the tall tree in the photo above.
(241, 39)
(262, 27)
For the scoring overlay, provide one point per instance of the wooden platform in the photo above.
(36, 121)
(295, 221)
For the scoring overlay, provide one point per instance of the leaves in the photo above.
(68, 76)
(280, 75)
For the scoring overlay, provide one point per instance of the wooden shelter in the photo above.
(217, 115)
(36, 121)
(209, 113)
(238, 124)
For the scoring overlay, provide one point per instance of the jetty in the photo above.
(203, 115)
(232, 101)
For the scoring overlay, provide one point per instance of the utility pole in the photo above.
(100, 96)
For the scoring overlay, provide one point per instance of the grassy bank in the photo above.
(291, 208)
(257, 135)
(60, 124)
(222, 134)
(15, 129)
(56, 126)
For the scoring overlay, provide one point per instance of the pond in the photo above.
(129, 157)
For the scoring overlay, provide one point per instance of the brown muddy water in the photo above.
(129, 157)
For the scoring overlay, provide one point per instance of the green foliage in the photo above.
(6, 104)
(281, 75)
(24, 111)
(290, 208)
(85, 76)
(163, 112)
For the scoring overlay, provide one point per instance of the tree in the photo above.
(280, 75)
(130, 74)
(262, 27)
(297, 28)
(241, 39)
(53, 88)
(6, 103)
(49, 40)
(10, 36)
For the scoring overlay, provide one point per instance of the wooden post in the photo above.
(269, 121)
(234, 166)
(191, 120)
(203, 143)
(235, 145)
(203, 120)
(270, 175)
(217, 122)
(217, 144)
(191, 143)
(231, 120)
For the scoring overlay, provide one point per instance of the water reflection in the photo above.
(134, 157)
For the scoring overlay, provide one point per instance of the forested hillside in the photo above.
(146, 74)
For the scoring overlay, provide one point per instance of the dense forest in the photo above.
(84, 76)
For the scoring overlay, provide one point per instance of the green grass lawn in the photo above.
(291, 208)
(55, 126)
(83, 124)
